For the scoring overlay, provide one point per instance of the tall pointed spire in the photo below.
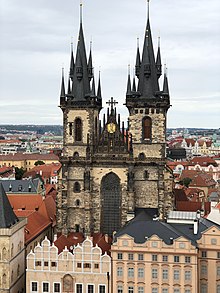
(158, 60)
(128, 93)
(69, 90)
(62, 91)
(165, 83)
(99, 91)
(7, 216)
(71, 62)
(93, 88)
(90, 67)
(148, 84)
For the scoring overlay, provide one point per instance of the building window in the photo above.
(187, 275)
(165, 274)
(119, 271)
(204, 253)
(120, 289)
(34, 286)
(78, 129)
(140, 289)
(165, 258)
(204, 288)
(176, 258)
(146, 175)
(79, 265)
(218, 271)
(130, 256)
(154, 290)
(76, 187)
(213, 241)
(77, 202)
(154, 244)
(140, 256)
(218, 254)
(188, 291)
(79, 288)
(130, 272)
(56, 287)
(176, 290)
(96, 265)
(176, 275)
(90, 288)
(70, 128)
(187, 259)
(140, 272)
(46, 263)
(203, 269)
(146, 126)
(45, 287)
(154, 257)
(164, 290)
(120, 256)
(101, 288)
(182, 245)
(130, 289)
(218, 289)
(87, 265)
(37, 263)
(53, 264)
(154, 273)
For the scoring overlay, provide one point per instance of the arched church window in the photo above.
(78, 129)
(4, 253)
(147, 128)
(4, 279)
(18, 270)
(77, 202)
(70, 128)
(77, 227)
(76, 187)
(12, 250)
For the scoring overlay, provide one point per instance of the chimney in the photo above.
(195, 227)
(171, 240)
(198, 214)
(55, 237)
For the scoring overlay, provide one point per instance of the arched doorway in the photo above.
(111, 203)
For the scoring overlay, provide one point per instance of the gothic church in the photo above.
(109, 170)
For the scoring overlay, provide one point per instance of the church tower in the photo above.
(108, 171)
(148, 106)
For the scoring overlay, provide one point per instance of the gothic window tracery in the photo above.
(78, 129)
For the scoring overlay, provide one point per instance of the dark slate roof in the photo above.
(7, 216)
(143, 227)
(21, 186)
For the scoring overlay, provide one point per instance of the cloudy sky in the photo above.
(35, 44)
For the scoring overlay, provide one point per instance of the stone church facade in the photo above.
(110, 169)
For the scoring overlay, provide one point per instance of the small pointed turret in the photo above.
(158, 60)
(79, 67)
(69, 87)
(99, 91)
(134, 85)
(93, 88)
(128, 93)
(166, 93)
(138, 60)
(71, 63)
(62, 91)
(90, 67)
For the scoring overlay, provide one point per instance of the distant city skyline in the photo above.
(36, 39)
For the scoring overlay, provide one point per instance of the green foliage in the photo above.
(39, 162)
(19, 172)
(186, 181)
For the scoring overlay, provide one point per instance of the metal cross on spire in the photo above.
(112, 103)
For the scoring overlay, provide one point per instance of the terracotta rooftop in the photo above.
(22, 157)
(46, 171)
(192, 206)
(203, 161)
(199, 178)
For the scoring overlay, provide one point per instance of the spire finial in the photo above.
(138, 42)
(81, 8)
(159, 39)
(129, 69)
(148, 9)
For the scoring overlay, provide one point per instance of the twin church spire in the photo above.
(148, 71)
(81, 81)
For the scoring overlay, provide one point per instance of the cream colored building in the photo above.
(158, 257)
(83, 270)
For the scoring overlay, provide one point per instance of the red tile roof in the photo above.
(46, 171)
(21, 157)
(29, 202)
(192, 206)
(199, 178)
(203, 161)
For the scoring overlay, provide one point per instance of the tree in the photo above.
(186, 181)
(39, 162)
(19, 172)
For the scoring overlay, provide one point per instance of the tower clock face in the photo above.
(111, 127)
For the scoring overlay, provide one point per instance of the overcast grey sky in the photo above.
(35, 44)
